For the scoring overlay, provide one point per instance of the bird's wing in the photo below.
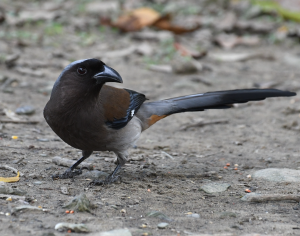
(119, 105)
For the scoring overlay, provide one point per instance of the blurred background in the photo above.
(39, 38)
(162, 48)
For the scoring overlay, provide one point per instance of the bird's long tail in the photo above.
(151, 112)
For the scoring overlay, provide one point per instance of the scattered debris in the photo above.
(256, 197)
(77, 228)
(66, 162)
(80, 203)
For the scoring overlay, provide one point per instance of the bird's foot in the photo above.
(69, 174)
(109, 180)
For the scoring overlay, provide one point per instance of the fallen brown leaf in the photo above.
(142, 17)
(137, 19)
(165, 23)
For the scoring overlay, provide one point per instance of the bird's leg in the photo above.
(70, 173)
(113, 177)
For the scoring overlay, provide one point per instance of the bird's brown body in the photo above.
(73, 122)
(91, 116)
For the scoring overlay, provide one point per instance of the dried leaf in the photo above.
(164, 23)
(137, 19)
(10, 179)
(142, 17)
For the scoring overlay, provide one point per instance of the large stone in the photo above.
(215, 187)
(278, 175)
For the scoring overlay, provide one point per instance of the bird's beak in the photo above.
(108, 75)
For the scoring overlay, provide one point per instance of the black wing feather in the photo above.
(136, 100)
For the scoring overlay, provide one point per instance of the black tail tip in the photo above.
(290, 94)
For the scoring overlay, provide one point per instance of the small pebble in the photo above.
(43, 140)
(194, 215)
(123, 211)
(162, 225)
(25, 110)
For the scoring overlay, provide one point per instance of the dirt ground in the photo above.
(255, 136)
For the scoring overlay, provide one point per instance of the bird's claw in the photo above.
(109, 180)
(69, 174)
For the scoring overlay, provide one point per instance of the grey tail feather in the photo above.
(223, 99)
(210, 100)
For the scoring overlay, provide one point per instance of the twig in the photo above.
(167, 154)
(254, 197)
(68, 163)
(6, 167)
(30, 122)
(203, 123)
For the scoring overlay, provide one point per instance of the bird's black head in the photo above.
(90, 72)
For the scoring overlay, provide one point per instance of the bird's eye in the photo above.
(81, 71)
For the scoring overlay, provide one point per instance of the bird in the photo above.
(91, 116)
